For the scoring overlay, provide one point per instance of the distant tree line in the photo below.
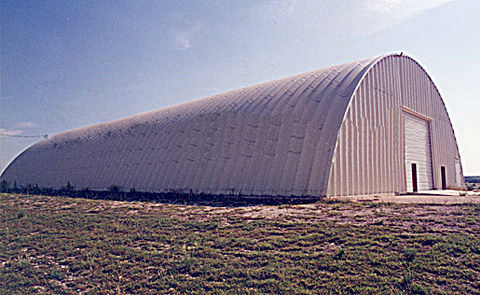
(472, 179)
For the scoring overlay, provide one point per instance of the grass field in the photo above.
(56, 245)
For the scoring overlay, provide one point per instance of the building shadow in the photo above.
(176, 198)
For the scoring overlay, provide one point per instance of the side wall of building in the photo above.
(274, 138)
(370, 153)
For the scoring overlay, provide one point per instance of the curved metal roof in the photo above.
(274, 138)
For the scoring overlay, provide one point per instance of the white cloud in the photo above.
(403, 7)
(185, 37)
(332, 19)
(6, 132)
(25, 124)
(385, 13)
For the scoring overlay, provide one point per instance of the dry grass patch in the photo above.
(56, 245)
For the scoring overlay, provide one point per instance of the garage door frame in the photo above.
(407, 111)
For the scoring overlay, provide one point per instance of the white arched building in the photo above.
(372, 126)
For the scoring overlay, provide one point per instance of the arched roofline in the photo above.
(366, 72)
(337, 85)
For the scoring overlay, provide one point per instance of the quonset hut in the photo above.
(377, 125)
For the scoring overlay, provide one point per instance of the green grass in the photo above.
(55, 245)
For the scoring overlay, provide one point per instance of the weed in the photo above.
(409, 254)
(56, 245)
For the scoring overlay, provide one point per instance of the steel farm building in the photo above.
(377, 125)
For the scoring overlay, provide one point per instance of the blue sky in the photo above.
(67, 64)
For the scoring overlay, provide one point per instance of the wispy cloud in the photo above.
(7, 132)
(185, 37)
(332, 19)
(25, 124)
(184, 40)
(385, 13)
(403, 7)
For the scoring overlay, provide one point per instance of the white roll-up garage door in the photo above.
(418, 156)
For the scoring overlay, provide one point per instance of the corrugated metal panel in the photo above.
(417, 151)
(294, 136)
(275, 138)
(371, 139)
(458, 173)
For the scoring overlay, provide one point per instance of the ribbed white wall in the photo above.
(370, 152)
(275, 138)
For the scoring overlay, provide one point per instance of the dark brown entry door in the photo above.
(444, 177)
(414, 177)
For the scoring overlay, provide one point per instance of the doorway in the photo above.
(444, 177)
(418, 152)
(414, 177)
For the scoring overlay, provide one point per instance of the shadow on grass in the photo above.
(179, 198)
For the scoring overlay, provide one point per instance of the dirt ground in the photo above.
(441, 197)
(62, 245)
